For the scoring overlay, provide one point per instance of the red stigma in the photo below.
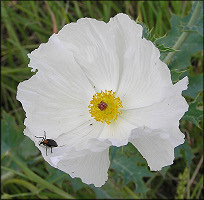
(102, 105)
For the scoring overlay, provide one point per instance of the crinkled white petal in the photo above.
(82, 137)
(125, 31)
(144, 79)
(91, 167)
(122, 26)
(90, 164)
(93, 47)
(181, 85)
(164, 115)
(117, 132)
(56, 98)
(154, 145)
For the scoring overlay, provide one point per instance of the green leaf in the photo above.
(10, 135)
(187, 153)
(162, 48)
(184, 150)
(194, 29)
(37, 179)
(194, 114)
(11, 32)
(146, 32)
(198, 27)
(27, 148)
(164, 170)
(171, 37)
(131, 169)
(54, 175)
(100, 193)
(23, 183)
(176, 75)
(13, 138)
(108, 191)
(111, 190)
(191, 45)
(76, 183)
(195, 86)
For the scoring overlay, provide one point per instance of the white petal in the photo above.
(154, 145)
(84, 136)
(144, 78)
(95, 47)
(91, 167)
(50, 111)
(125, 31)
(92, 44)
(90, 164)
(60, 69)
(164, 115)
(98, 145)
(125, 27)
(181, 85)
(56, 99)
(117, 132)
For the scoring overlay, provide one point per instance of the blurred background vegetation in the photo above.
(25, 175)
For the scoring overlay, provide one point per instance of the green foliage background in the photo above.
(25, 175)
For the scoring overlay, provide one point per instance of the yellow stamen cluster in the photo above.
(104, 106)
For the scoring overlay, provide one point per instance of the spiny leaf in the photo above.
(13, 138)
(130, 168)
(100, 193)
(195, 86)
(193, 43)
(194, 114)
(198, 27)
(176, 74)
(184, 150)
(76, 183)
(162, 48)
(146, 32)
(129, 171)
(10, 135)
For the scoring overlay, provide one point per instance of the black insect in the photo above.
(47, 142)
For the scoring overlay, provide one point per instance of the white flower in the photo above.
(100, 84)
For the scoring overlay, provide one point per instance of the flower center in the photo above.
(104, 106)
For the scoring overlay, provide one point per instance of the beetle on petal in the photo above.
(47, 142)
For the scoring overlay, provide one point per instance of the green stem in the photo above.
(6, 70)
(34, 177)
(12, 172)
(184, 35)
(188, 185)
(195, 191)
(6, 177)
(128, 190)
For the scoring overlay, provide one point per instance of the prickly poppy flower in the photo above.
(100, 84)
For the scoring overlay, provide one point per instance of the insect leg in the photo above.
(39, 137)
(45, 134)
(46, 150)
(51, 149)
